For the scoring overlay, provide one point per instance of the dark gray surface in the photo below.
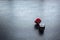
(17, 19)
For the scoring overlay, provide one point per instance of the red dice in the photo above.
(38, 20)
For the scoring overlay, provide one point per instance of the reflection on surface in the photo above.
(39, 28)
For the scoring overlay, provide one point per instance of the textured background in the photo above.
(17, 19)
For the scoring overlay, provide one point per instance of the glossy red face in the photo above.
(38, 20)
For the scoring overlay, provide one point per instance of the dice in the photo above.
(42, 28)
